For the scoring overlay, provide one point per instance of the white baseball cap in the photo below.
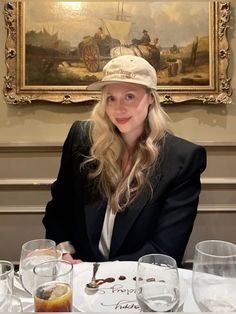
(127, 69)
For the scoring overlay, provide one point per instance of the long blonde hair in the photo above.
(107, 150)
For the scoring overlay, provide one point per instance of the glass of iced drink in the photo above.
(53, 286)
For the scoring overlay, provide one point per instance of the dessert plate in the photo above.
(117, 293)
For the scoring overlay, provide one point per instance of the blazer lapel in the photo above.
(125, 220)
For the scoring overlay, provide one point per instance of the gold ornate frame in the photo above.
(217, 92)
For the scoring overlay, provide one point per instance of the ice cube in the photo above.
(58, 291)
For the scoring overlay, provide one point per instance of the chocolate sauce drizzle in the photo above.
(121, 277)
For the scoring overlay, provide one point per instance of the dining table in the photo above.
(116, 291)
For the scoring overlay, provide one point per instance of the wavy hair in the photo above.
(107, 150)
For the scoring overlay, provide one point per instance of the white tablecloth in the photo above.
(189, 304)
(83, 271)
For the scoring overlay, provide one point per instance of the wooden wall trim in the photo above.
(216, 208)
(40, 209)
(218, 181)
(31, 148)
(216, 143)
(34, 182)
(22, 210)
(26, 182)
(57, 146)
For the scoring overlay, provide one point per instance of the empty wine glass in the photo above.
(33, 253)
(157, 283)
(6, 277)
(10, 303)
(214, 276)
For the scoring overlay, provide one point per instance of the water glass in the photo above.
(214, 276)
(157, 283)
(33, 253)
(6, 277)
(10, 303)
(53, 286)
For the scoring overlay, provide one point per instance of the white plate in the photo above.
(116, 296)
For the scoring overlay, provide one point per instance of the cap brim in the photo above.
(100, 84)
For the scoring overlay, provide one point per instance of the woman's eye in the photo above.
(129, 96)
(110, 98)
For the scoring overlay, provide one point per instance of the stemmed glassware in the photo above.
(6, 277)
(214, 276)
(10, 303)
(33, 253)
(157, 283)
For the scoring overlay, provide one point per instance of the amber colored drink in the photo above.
(53, 297)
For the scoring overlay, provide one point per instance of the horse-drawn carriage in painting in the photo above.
(96, 50)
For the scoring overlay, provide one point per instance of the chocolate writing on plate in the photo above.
(124, 304)
(102, 281)
(127, 301)
(121, 304)
(117, 288)
(122, 277)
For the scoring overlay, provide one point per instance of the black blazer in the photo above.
(158, 224)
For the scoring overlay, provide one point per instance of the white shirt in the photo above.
(105, 238)
(107, 230)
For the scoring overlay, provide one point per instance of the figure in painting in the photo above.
(194, 52)
(147, 49)
(145, 39)
(99, 35)
(103, 41)
(155, 53)
(156, 43)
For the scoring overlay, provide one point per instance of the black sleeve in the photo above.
(57, 219)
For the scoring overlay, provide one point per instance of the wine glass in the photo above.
(6, 277)
(157, 283)
(214, 276)
(33, 253)
(10, 303)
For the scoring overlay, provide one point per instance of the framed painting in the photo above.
(54, 49)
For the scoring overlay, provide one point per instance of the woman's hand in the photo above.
(68, 257)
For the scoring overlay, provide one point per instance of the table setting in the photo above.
(116, 295)
(120, 293)
(151, 284)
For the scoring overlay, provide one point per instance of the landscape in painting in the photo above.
(68, 43)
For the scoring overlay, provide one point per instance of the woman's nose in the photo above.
(119, 106)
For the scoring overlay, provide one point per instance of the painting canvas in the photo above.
(63, 48)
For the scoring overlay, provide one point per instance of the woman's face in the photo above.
(127, 108)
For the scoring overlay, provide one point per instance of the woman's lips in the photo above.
(122, 120)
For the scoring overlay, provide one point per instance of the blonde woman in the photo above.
(126, 186)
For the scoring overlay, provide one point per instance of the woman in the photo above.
(126, 186)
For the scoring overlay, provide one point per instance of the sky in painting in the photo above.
(172, 22)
